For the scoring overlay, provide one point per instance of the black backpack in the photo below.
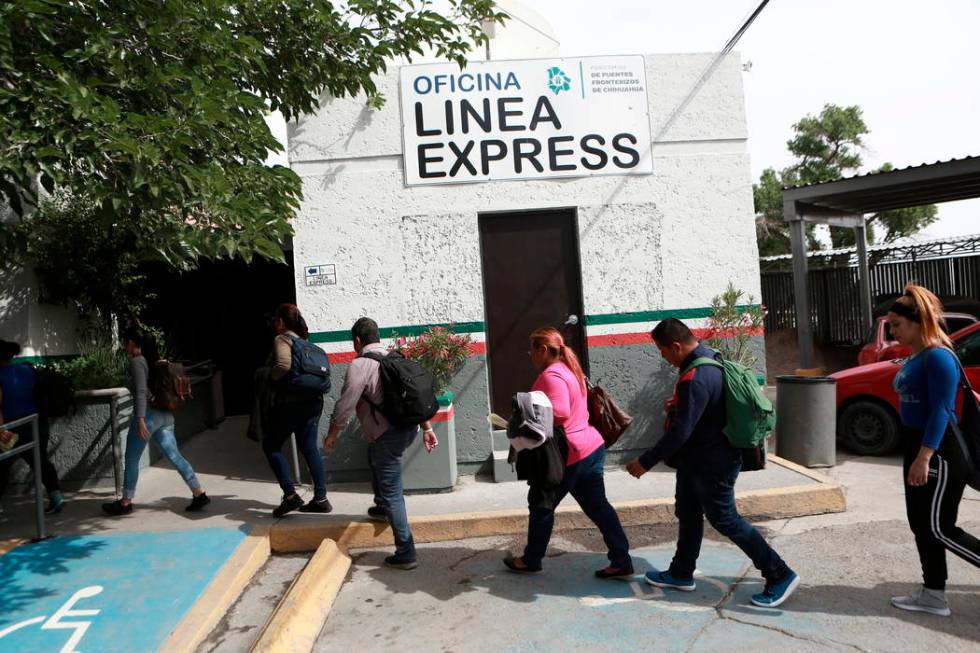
(309, 374)
(408, 395)
(54, 395)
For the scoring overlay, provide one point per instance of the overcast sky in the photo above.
(914, 67)
(911, 66)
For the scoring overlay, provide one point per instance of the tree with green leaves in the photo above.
(827, 147)
(149, 114)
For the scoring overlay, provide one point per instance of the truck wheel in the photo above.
(867, 428)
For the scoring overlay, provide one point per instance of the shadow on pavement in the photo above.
(47, 559)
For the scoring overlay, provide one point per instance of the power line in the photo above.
(709, 70)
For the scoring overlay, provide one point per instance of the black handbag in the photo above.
(754, 459)
(966, 431)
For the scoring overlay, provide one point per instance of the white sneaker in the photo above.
(924, 600)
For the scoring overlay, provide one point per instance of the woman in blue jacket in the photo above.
(935, 469)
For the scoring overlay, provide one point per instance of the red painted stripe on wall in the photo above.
(643, 338)
(476, 348)
(610, 340)
(444, 415)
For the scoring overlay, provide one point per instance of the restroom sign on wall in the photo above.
(525, 119)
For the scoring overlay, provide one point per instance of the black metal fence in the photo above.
(835, 310)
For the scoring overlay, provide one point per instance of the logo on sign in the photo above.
(558, 81)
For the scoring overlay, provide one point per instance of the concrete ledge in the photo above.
(299, 617)
(221, 593)
(824, 496)
(800, 469)
(10, 545)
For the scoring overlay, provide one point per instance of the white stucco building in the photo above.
(599, 246)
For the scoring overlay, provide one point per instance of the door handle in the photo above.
(571, 321)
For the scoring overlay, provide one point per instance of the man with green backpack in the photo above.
(717, 411)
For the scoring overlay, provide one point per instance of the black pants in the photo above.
(49, 475)
(302, 419)
(708, 490)
(932, 509)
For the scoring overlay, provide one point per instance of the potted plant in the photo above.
(442, 353)
(734, 320)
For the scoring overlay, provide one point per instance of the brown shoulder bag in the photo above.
(605, 414)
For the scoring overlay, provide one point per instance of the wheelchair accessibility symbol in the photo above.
(64, 618)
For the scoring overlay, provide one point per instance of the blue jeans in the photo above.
(585, 482)
(303, 419)
(160, 423)
(709, 491)
(385, 456)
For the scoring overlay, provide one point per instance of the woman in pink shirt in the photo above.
(563, 381)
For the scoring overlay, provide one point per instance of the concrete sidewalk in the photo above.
(234, 472)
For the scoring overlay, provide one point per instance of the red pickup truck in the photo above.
(882, 346)
(867, 405)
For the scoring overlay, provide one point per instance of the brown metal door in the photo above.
(531, 279)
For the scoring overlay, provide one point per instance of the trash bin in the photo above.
(806, 420)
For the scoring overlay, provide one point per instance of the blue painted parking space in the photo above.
(104, 593)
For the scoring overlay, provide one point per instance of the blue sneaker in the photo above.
(774, 595)
(664, 579)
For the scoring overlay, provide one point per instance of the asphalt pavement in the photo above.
(461, 598)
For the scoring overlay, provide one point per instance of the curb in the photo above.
(297, 620)
(221, 593)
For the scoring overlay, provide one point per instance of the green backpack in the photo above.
(749, 415)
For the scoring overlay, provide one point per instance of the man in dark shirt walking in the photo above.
(707, 468)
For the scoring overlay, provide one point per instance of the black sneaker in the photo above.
(316, 505)
(397, 562)
(378, 513)
(117, 508)
(198, 502)
(288, 504)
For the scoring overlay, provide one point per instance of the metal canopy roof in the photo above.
(931, 183)
(845, 202)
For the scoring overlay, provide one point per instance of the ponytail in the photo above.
(920, 305)
(293, 320)
(552, 340)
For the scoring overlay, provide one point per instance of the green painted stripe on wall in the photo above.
(478, 327)
(655, 316)
(391, 332)
(648, 316)
(44, 360)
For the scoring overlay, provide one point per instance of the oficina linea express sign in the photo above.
(525, 119)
